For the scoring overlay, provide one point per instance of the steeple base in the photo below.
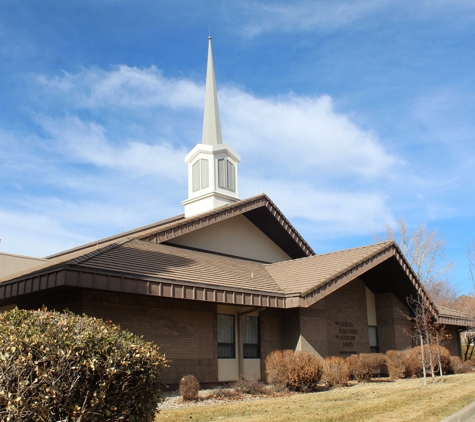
(206, 203)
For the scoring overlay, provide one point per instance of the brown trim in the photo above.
(189, 225)
(142, 286)
(460, 322)
(315, 294)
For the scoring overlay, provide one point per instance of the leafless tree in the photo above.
(470, 345)
(425, 251)
(471, 263)
(428, 333)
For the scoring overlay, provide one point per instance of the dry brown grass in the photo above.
(402, 400)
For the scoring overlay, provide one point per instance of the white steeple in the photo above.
(211, 123)
(212, 165)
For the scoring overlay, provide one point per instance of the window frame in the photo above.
(249, 348)
(224, 345)
(373, 348)
(226, 174)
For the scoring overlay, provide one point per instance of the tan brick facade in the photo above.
(394, 329)
(186, 331)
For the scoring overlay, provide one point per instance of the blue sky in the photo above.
(348, 114)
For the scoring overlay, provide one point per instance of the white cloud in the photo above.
(261, 17)
(126, 87)
(305, 15)
(102, 175)
(332, 213)
(296, 133)
(302, 135)
(88, 142)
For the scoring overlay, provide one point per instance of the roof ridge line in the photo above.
(388, 242)
(83, 258)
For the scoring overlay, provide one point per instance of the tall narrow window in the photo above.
(200, 175)
(373, 339)
(229, 175)
(226, 345)
(226, 174)
(250, 337)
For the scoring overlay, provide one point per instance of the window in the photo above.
(226, 346)
(200, 175)
(373, 339)
(226, 176)
(250, 337)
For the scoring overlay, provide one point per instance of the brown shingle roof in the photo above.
(140, 258)
(305, 274)
(453, 317)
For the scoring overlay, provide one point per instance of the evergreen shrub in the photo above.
(65, 367)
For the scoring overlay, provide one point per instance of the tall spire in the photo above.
(212, 165)
(211, 123)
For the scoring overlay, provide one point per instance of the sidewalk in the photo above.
(467, 414)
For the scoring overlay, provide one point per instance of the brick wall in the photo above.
(453, 343)
(313, 330)
(290, 328)
(271, 334)
(185, 331)
(393, 326)
(347, 320)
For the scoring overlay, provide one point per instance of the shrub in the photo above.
(189, 387)
(467, 366)
(249, 386)
(397, 364)
(364, 365)
(222, 393)
(336, 371)
(455, 365)
(414, 363)
(74, 367)
(297, 371)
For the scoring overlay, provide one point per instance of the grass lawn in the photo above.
(405, 400)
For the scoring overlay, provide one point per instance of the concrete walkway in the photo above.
(467, 414)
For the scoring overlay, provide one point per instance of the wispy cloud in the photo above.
(295, 147)
(305, 15)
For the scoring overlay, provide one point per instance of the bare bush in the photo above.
(364, 365)
(63, 367)
(223, 393)
(455, 365)
(189, 387)
(336, 371)
(298, 371)
(249, 386)
(467, 367)
(396, 364)
(414, 361)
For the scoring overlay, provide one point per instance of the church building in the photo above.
(229, 281)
